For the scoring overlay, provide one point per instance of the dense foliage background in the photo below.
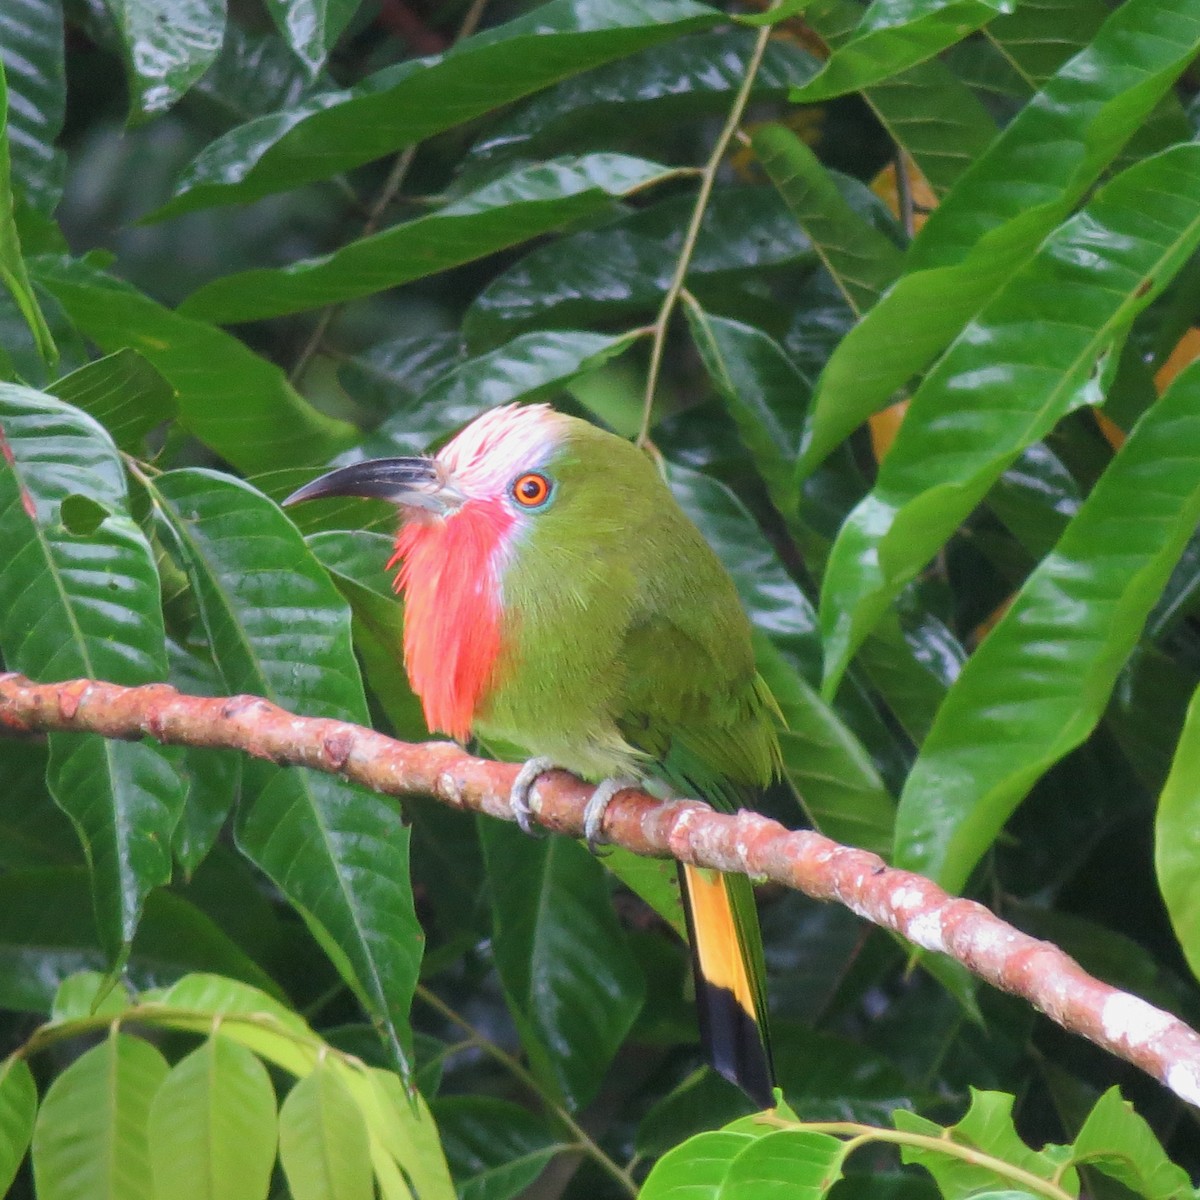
(239, 246)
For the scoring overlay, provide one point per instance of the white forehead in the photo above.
(484, 457)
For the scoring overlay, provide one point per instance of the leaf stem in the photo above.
(708, 178)
(156, 1015)
(585, 1143)
(904, 195)
(860, 1135)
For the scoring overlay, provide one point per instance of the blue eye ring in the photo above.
(532, 490)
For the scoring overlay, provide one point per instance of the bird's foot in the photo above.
(519, 796)
(593, 815)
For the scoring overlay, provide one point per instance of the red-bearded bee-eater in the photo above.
(557, 597)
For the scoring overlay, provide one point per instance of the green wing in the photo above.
(710, 729)
(709, 724)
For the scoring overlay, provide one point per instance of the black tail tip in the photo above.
(735, 1043)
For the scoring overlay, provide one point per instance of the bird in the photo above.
(558, 598)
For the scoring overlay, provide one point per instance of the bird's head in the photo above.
(500, 461)
(462, 512)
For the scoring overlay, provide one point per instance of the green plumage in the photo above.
(625, 649)
(616, 648)
(626, 653)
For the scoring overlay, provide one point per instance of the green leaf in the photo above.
(340, 855)
(88, 994)
(991, 73)
(18, 1107)
(1116, 1140)
(212, 777)
(926, 109)
(323, 1143)
(1181, 597)
(212, 1126)
(124, 392)
(167, 46)
(570, 979)
(254, 74)
(1038, 38)
(1030, 694)
(803, 1163)
(90, 1140)
(782, 11)
(355, 562)
(1002, 208)
(861, 260)
(1058, 144)
(413, 100)
(31, 54)
(392, 373)
(278, 629)
(531, 367)
(1005, 1194)
(621, 271)
(34, 831)
(496, 1148)
(1039, 349)
(700, 1103)
(865, 1184)
(773, 600)
(654, 880)
(893, 36)
(987, 1127)
(1035, 498)
(13, 273)
(86, 605)
(527, 202)
(124, 800)
(311, 27)
(825, 1076)
(682, 79)
(912, 662)
(1175, 852)
(235, 402)
(43, 940)
(403, 1133)
(1148, 711)
(938, 121)
(760, 387)
(827, 765)
(763, 392)
(249, 1016)
(696, 1170)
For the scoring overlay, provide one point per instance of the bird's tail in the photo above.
(727, 955)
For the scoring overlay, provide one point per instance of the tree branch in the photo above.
(687, 830)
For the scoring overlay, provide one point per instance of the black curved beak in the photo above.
(408, 482)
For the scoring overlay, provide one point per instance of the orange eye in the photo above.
(531, 490)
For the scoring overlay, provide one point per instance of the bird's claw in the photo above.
(519, 795)
(593, 815)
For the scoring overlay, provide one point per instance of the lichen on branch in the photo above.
(1049, 979)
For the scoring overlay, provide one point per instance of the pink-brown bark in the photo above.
(913, 906)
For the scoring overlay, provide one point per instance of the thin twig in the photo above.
(391, 186)
(584, 1141)
(313, 342)
(389, 191)
(707, 180)
(904, 195)
(863, 1135)
(471, 19)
